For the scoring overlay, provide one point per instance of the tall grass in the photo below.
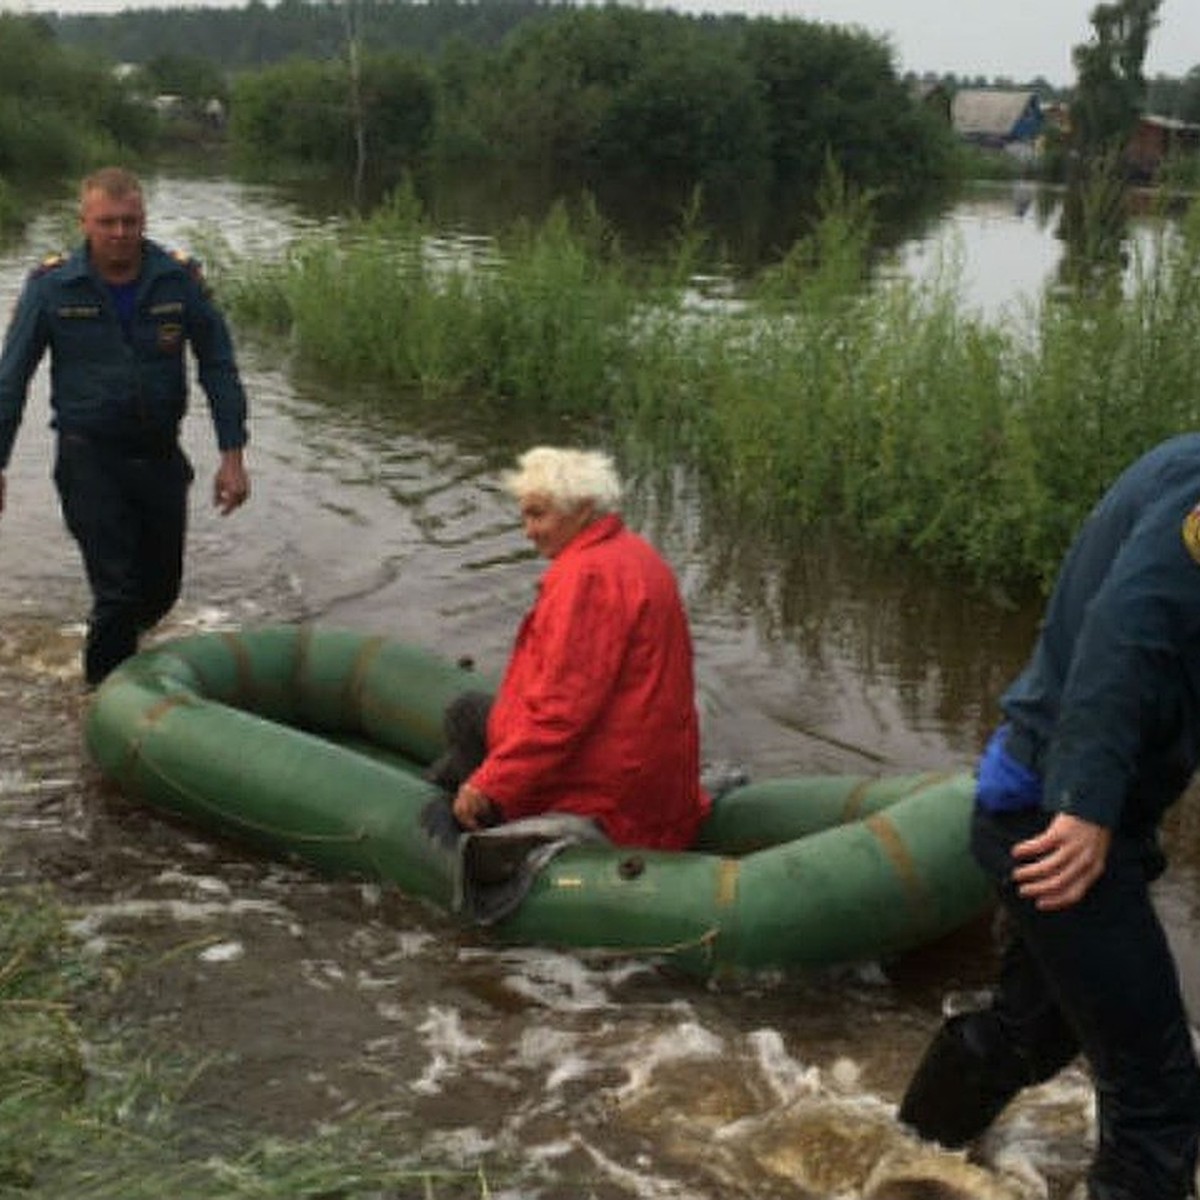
(538, 320)
(893, 409)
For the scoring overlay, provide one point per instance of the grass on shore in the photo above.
(84, 1115)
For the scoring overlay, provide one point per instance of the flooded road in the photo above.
(564, 1077)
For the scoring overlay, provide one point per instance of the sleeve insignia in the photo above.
(49, 263)
(1191, 533)
(192, 267)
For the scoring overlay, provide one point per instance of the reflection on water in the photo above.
(1000, 246)
(999, 243)
(316, 998)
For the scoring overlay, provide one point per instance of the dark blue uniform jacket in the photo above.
(128, 391)
(1110, 700)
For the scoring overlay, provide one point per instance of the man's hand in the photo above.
(231, 485)
(1062, 862)
(472, 809)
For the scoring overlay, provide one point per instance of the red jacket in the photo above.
(596, 713)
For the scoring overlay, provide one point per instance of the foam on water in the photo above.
(736, 1116)
(560, 982)
(99, 915)
(643, 1184)
(450, 1048)
(17, 782)
(207, 884)
(223, 952)
(688, 1041)
(787, 1078)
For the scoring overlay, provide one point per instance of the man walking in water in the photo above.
(1101, 736)
(116, 316)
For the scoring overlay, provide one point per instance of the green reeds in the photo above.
(536, 320)
(890, 408)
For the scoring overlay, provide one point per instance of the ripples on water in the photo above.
(571, 1076)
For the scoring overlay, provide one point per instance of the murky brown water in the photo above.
(315, 998)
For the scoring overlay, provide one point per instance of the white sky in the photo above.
(966, 37)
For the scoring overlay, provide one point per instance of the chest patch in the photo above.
(79, 312)
(170, 337)
(1191, 533)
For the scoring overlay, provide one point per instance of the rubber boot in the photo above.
(464, 726)
(961, 1085)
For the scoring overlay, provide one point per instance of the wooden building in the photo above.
(997, 119)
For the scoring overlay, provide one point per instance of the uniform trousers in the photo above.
(126, 507)
(1097, 977)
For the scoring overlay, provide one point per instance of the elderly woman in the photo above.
(596, 712)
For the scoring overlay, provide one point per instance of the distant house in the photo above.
(1154, 140)
(997, 119)
(168, 104)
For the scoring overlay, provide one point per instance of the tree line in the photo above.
(581, 93)
(258, 34)
(607, 92)
(385, 87)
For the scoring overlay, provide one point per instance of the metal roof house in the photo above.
(1154, 140)
(996, 119)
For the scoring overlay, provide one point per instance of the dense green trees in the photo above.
(301, 114)
(618, 89)
(608, 92)
(195, 79)
(1178, 98)
(257, 34)
(1109, 96)
(59, 111)
(577, 96)
(1111, 88)
(832, 93)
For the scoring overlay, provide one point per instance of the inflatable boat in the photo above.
(312, 743)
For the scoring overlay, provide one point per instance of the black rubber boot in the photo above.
(961, 1085)
(464, 725)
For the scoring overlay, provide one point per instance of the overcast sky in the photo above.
(966, 37)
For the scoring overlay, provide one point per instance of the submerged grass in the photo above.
(83, 1115)
(538, 320)
(891, 409)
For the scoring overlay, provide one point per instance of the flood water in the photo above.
(565, 1077)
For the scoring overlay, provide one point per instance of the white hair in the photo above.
(567, 478)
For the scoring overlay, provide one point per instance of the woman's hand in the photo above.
(472, 809)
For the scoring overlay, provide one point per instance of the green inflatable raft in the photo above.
(310, 744)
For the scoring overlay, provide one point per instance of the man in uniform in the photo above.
(116, 316)
(1102, 734)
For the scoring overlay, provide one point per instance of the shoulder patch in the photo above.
(49, 263)
(1191, 532)
(192, 267)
